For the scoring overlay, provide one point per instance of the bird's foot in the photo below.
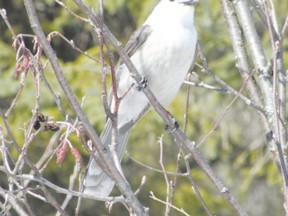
(142, 84)
(175, 124)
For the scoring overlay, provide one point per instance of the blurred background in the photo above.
(237, 150)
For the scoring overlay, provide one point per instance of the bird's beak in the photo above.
(188, 2)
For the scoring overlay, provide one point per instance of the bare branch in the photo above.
(12, 200)
(103, 154)
(3, 14)
(255, 48)
(66, 191)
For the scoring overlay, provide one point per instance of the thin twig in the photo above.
(66, 191)
(12, 200)
(195, 188)
(165, 203)
(71, 43)
(3, 13)
(168, 196)
(232, 91)
(153, 168)
(72, 181)
(207, 86)
(227, 108)
(285, 28)
(71, 12)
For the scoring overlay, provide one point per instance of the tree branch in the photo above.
(104, 155)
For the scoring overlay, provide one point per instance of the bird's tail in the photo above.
(96, 182)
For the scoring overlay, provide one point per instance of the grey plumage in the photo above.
(96, 181)
(162, 50)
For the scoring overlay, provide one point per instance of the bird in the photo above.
(163, 50)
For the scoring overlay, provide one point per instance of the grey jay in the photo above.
(162, 50)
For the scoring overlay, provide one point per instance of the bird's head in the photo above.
(166, 11)
(184, 2)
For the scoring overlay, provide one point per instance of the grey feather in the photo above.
(162, 51)
(137, 39)
(96, 181)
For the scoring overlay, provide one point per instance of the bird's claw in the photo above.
(142, 84)
(175, 126)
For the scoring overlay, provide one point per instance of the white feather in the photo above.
(163, 60)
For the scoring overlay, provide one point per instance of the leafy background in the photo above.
(237, 149)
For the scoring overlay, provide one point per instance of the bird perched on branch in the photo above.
(162, 50)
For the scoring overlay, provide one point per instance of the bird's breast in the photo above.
(165, 60)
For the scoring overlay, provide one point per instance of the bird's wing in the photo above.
(96, 181)
(137, 39)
